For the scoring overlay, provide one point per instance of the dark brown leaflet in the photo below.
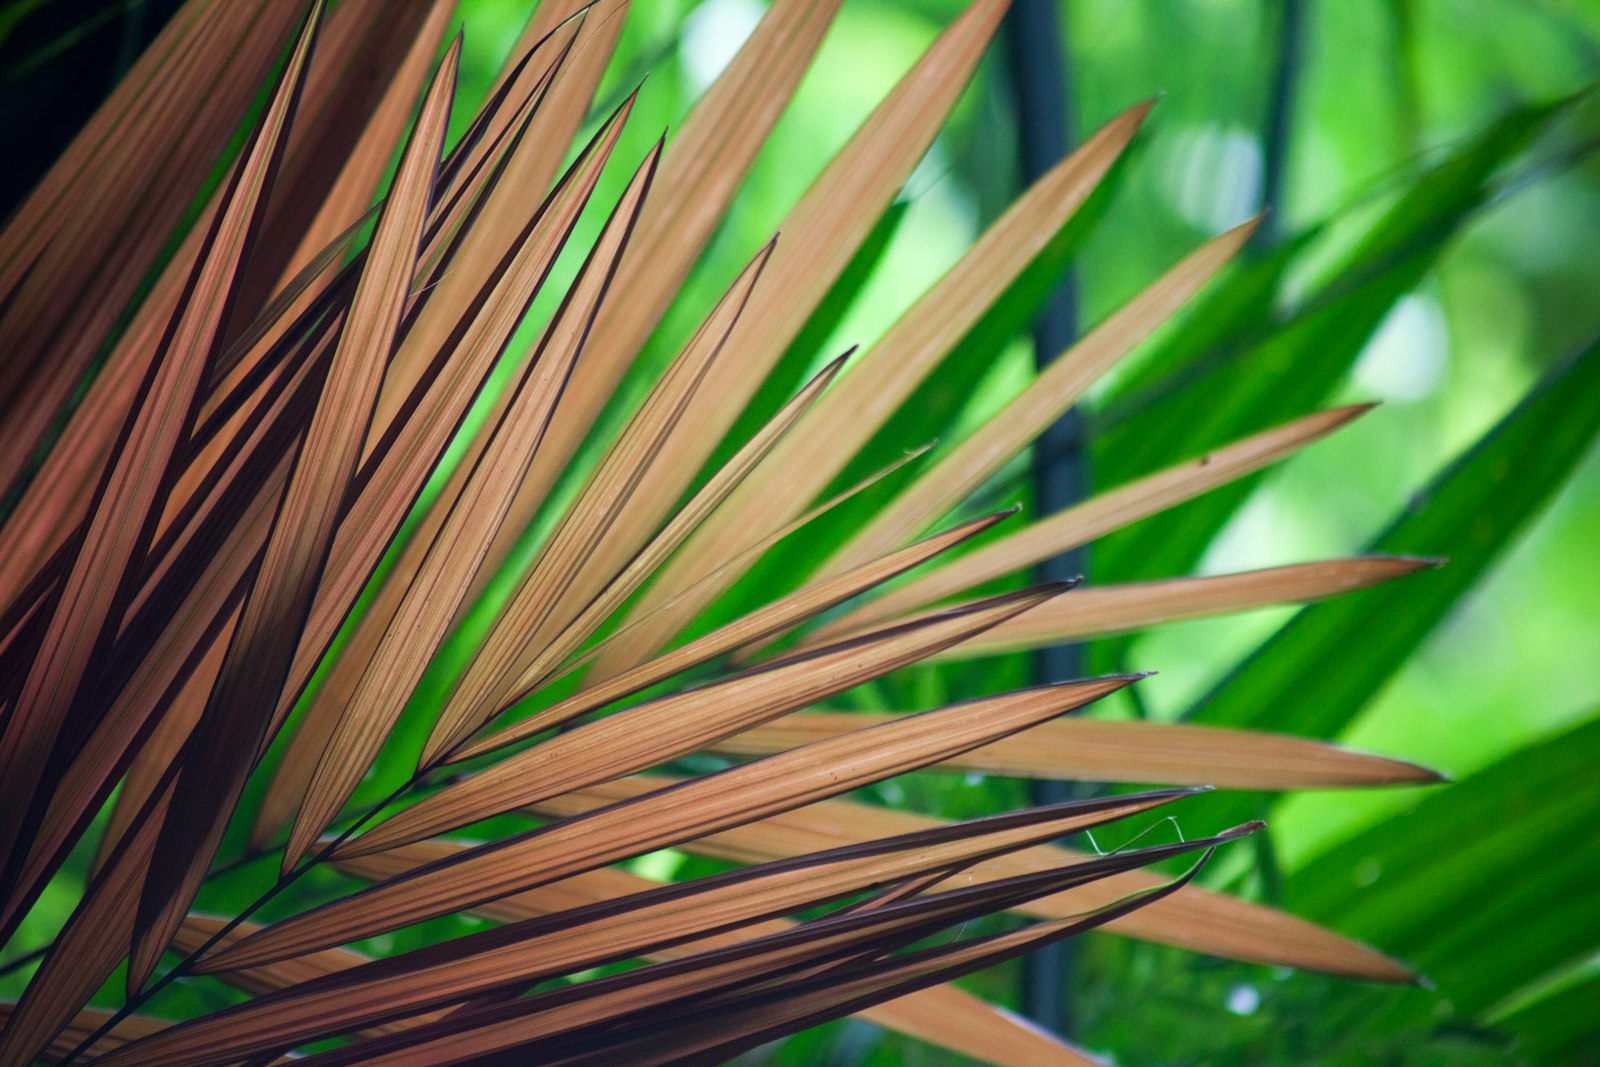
(260, 472)
(891, 368)
(816, 1000)
(37, 536)
(91, 943)
(656, 820)
(120, 200)
(703, 166)
(715, 979)
(1199, 921)
(522, 637)
(510, 956)
(222, 750)
(176, 617)
(944, 1016)
(359, 53)
(1099, 751)
(126, 502)
(86, 1022)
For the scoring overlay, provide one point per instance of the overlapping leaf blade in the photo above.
(1204, 922)
(131, 489)
(239, 713)
(288, 456)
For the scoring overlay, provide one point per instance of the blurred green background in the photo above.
(1432, 247)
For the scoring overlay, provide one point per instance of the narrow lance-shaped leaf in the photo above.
(888, 372)
(58, 497)
(223, 748)
(119, 202)
(1095, 611)
(1052, 534)
(198, 931)
(40, 526)
(218, 464)
(704, 502)
(386, 491)
(130, 490)
(460, 545)
(673, 726)
(477, 324)
(571, 95)
(1096, 751)
(388, 495)
(160, 749)
(584, 33)
(170, 638)
(660, 916)
(468, 250)
(1198, 920)
(406, 50)
(90, 944)
(692, 810)
(351, 193)
(944, 1016)
(1410, 881)
(184, 609)
(1469, 512)
(470, 177)
(700, 172)
(89, 1021)
(871, 981)
(978, 456)
(455, 273)
(41, 215)
(244, 455)
(652, 999)
(739, 559)
(539, 604)
(1240, 385)
(548, 1025)
(361, 53)
(588, 698)
(783, 613)
(819, 235)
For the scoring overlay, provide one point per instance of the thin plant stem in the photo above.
(1039, 80)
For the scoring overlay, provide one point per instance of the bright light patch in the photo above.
(1214, 174)
(712, 36)
(1407, 357)
(1243, 1000)
(658, 866)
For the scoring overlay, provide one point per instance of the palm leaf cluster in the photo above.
(316, 429)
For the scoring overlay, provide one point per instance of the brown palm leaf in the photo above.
(264, 597)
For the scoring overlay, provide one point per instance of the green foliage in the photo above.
(1235, 371)
(1484, 884)
(1469, 514)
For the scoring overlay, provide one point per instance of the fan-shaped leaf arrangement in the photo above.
(233, 560)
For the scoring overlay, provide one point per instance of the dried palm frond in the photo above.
(233, 582)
